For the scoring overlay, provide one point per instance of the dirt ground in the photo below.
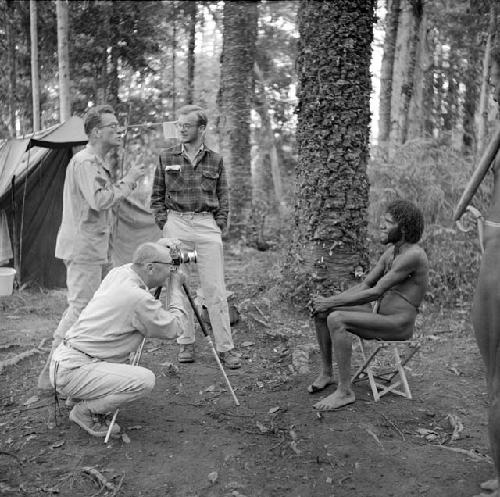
(189, 439)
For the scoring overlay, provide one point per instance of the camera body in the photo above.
(182, 256)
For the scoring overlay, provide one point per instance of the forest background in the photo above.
(284, 84)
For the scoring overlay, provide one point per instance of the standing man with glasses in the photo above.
(88, 198)
(190, 201)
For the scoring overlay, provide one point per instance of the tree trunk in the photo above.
(238, 57)
(438, 90)
(11, 57)
(191, 60)
(470, 103)
(174, 64)
(423, 63)
(391, 31)
(482, 128)
(269, 143)
(63, 58)
(35, 81)
(404, 66)
(333, 139)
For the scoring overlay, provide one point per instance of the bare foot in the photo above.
(490, 485)
(334, 401)
(320, 383)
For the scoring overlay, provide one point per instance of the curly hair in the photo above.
(409, 218)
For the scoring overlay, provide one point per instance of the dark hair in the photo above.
(93, 117)
(409, 218)
(200, 113)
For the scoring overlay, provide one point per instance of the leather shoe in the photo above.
(231, 359)
(186, 353)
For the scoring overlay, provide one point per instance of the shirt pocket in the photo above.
(209, 181)
(173, 180)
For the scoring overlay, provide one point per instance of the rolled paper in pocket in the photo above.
(175, 167)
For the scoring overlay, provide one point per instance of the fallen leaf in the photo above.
(247, 344)
(211, 388)
(329, 480)
(135, 427)
(32, 400)
(261, 427)
(125, 438)
(57, 444)
(212, 477)
(423, 432)
(274, 409)
(260, 384)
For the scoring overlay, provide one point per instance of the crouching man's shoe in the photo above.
(93, 424)
(186, 353)
(230, 359)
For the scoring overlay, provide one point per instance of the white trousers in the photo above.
(82, 281)
(200, 232)
(103, 385)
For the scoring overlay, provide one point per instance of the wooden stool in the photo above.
(388, 380)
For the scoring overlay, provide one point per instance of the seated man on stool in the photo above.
(92, 362)
(397, 284)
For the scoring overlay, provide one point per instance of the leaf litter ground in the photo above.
(189, 439)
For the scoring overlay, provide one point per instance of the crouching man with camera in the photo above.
(92, 364)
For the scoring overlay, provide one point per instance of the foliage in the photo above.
(433, 176)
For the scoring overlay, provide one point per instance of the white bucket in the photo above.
(6, 280)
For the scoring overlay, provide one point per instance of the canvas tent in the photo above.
(32, 173)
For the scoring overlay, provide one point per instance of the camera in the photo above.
(181, 256)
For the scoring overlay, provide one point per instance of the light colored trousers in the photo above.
(103, 385)
(200, 232)
(82, 281)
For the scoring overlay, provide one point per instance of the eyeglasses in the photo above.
(113, 126)
(186, 126)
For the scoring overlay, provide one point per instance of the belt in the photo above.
(67, 344)
(190, 213)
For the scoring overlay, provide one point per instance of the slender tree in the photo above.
(404, 69)
(63, 58)
(238, 58)
(391, 31)
(423, 63)
(192, 11)
(482, 128)
(11, 50)
(35, 81)
(333, 138)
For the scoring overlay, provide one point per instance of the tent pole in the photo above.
(15, 240)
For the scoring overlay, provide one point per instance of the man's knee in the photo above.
(145, 380)
(335, 320)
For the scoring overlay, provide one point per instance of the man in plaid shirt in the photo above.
(190, 201)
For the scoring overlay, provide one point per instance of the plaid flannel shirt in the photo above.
(183, 186)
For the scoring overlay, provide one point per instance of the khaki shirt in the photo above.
(121, 313)
(88, 198)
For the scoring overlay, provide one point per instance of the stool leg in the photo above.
(402, 373)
